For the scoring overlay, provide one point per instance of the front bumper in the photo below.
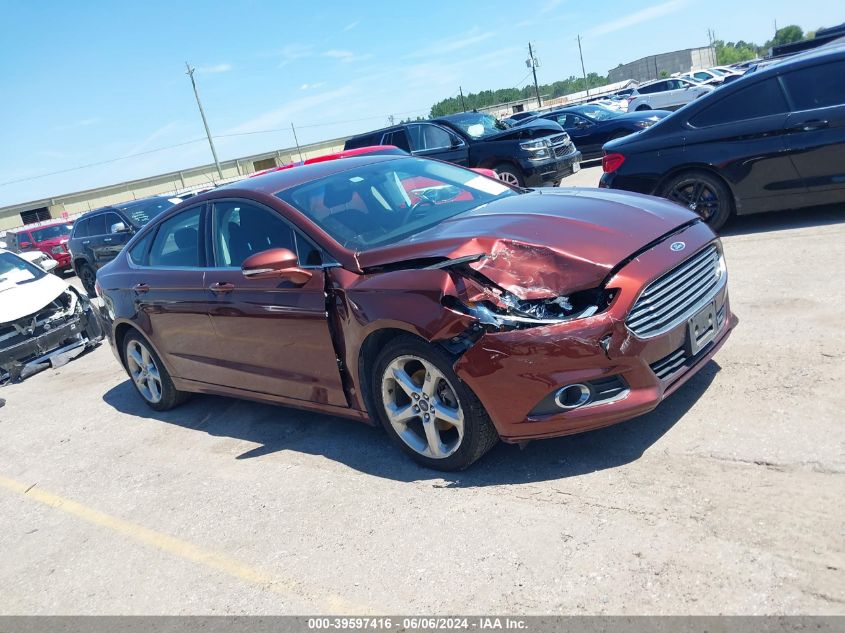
(552, 171)
(51, 347)
(511, 372)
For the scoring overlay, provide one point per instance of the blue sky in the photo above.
(87, 82)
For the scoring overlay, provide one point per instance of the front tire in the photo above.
(89, 279)
(510, 175)
(426, 409)
(702, 192)
(148, 374)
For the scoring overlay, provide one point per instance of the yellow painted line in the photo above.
(182, 549)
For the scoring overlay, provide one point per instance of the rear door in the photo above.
(170, 294)
(272, 335)
(433, 141)
(94, 243)
(742, 135)
(815, 135)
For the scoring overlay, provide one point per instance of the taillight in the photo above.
(98, 289)
(611, 162)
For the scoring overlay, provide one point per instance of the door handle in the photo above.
(107, 239)
(222, 286)
(141, 288)
(812, 124)
(86, 241)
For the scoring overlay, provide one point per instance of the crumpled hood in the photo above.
(546, 243)
(18, 300)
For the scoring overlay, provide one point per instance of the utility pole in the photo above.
(463, 105)
(533, 62)
(584, 72)
(296, 140)
(190, 74)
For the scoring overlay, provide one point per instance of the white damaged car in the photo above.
(44, 321)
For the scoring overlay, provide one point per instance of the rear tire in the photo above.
(510, 175)
(426, 409)
(643, 107)
(89, 279)
(148, 374)
(702, 192)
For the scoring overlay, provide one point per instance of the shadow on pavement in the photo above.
(784, 220)
(369, 450)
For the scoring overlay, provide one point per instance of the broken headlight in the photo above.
(520, 313)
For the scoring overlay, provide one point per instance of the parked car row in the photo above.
(773, 139)
(535, 153)
(49, 238)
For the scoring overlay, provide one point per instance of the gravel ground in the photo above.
(726, 499)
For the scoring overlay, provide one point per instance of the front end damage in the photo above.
(544, 342)
(49, 337)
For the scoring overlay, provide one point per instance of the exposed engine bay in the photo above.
(49, 337)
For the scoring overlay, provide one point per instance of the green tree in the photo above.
(787, 35)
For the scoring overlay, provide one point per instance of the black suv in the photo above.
(535, 154)
(99, 235)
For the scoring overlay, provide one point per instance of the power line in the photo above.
(184, 143)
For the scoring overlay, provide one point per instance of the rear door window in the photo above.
(397, 138)
(815, 87)
(764, 98)
(80, 228)
(97, 225)
(177, 241)
(425, 136)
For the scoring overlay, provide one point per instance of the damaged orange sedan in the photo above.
(450, 308)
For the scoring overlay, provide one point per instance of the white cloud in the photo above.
(351, 25)
(336, 54)
(319, 84)
(551, 5)
(281, 117)
(164, 130)
(217, 68)
(293, 52)
(453, 44)
(637, 17)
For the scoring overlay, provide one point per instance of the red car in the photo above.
(360, 151)
(49, 238)
(450, 308)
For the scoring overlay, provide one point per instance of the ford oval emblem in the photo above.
(678, 246)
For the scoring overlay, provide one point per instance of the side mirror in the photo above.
(26, 245)
(275, 263)
(582, 124)
(119, 227)
(456, 142)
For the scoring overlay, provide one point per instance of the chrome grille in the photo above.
(560, 138)
(677, 295)
(668, 365)
(562, 150)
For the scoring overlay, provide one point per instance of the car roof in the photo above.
(276, 181)
(121, 205)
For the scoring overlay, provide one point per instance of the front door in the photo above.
(114, 239)
(272, 335)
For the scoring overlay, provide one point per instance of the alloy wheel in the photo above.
(144, 371)
(508, 178)
(696, 196)
(89, 279)
(422, 407)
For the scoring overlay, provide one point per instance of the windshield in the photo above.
(15, 270)
(142, 212)
(477, 125)
(598, 112)
(51, 232)
(385, 202)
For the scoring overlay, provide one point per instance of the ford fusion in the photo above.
(449, 307)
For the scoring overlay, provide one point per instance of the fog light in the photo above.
(573, 396)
